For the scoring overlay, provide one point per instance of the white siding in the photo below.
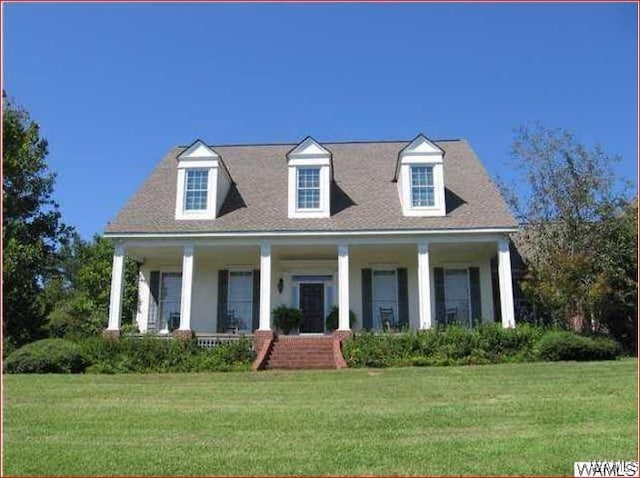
(204, 308)
(143, 299)
(485, 291)
(208, 261)
(414, 308)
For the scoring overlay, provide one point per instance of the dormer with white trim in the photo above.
(420, 177)
(310, 174)
(203, 182)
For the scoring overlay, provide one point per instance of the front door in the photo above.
(312, 307)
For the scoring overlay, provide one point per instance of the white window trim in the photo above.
(181, 190)
(438, 209)
(468, 273)
(421, 152)
(486, 297)
(373, 292)
(144, 294)
(200, 156)
(163, 272)
(186, 177)
(433, 186)
(243, 270)
(309, 154)
(325, 180)
(309, 209)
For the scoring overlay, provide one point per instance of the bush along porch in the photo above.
(129, 355)
(440, 346)
(486, 344)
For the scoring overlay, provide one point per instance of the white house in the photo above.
(408, 234)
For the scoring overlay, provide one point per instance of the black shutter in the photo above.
(495, 291)
(154, 289)
(223, 288)
(255, 308)
(403, 297)
(438, 275)
(476, 303)
(367, 318)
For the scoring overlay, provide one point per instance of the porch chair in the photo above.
(174, 321)
(451, 315)
(231, 324)
(387, 319)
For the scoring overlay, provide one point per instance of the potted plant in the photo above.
(332, 319)
(287, 319)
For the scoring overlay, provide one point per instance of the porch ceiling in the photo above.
(175, 252)
(328, 252)
(459, 252)
(384, 252)
(448, 251)
(141, 254)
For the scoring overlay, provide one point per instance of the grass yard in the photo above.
(533, 418)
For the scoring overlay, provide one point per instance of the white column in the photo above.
(187, 287)
(506, 285)
(343, 287)
(424, 286)
(117, 285)
(265, 286)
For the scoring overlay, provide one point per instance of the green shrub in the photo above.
(8, 346)
(144, 354)
(75, 319)
(332, 319)
(367, 349)
(489, 343)
(233, 356)
(47, 356)
(160, 355)
(457, 342)
(498, 341)
(129, 328)
(286, 318)
(562, 345)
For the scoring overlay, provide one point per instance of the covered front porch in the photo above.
(207, 286)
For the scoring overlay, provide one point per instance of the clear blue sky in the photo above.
(115, 86)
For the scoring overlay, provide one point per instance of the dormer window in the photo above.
(420, 178)
(422, 187)
(308, 188)
(196, 190)
(203, 182)
(310, 175)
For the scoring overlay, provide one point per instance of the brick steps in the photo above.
(302, 366)
(300, 352)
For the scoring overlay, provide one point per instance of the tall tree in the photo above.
(77, 300)
(93, 277)
(32, 229)
(576, 225)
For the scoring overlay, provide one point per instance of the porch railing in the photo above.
(203, 340)
(213, 340)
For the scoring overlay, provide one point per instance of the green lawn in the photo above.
(532, 418)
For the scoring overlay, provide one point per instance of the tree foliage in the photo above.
(77, 300)
(55, 283)
(32, 229)
(579, 235)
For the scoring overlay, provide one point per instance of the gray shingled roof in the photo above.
(363, 197)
